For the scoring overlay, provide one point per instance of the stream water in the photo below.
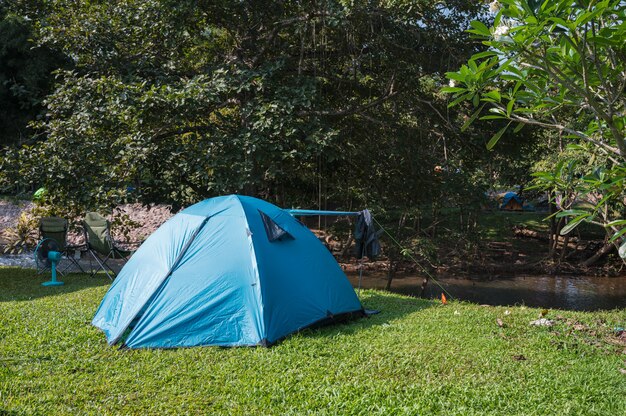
(585, 293)
(558, 292)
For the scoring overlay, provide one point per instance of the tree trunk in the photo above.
(347, 245)
(393, 264)
(556, 238)
(423, 286)
(564, 249)
(599, 254)
(391, 273)
(552, 234)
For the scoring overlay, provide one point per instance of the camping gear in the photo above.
(56, 228)
(228, 271)
(315, 213)
(512, 202)
(366, 236)
(48, 255)
(101, 245)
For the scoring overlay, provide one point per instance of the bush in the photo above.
(23, 236)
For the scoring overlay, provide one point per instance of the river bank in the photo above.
(581, 293)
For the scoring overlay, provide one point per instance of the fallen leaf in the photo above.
(507, 312)
(500, 323)
(622, 370)
(519, 357)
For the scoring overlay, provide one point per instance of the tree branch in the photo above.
(171, 133)
(279, 25)
(354, 110)
(560, 127)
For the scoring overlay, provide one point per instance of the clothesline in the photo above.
(312, 212)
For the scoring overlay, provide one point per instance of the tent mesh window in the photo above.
(273, 230)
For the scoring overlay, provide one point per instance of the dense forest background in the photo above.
(321, 104)
(304, 103)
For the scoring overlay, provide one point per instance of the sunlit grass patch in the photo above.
(415, 357)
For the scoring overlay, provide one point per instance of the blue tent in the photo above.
(228, 271)
(512, 202)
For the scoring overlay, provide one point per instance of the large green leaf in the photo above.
(452, 89)
(622, 250)
(570, 213)
(496, 137)
(573, 224)
(479, 28)
(472, 118)
(618, 234)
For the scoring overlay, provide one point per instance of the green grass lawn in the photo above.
(497, 225)
(415, 357)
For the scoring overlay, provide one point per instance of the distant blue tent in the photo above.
(228, 271)
(512, 202)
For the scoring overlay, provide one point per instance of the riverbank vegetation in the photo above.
(415, 356)
(323, 105)
(559, 65)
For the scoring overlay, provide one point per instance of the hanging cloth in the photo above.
(366, 236)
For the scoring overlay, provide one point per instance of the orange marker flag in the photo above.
(444, 301)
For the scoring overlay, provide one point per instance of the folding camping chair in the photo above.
(56, 228)
(101, 245)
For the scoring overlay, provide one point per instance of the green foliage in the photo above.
(303, 104)
(177, 101)
(25, 76)
(558, 65)
(122, 225)
(415, 357)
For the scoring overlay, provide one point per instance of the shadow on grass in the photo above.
(18, 284)
(391, 307)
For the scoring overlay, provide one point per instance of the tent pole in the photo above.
(361, 269)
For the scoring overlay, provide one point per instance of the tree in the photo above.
(175, 101)
(559, 65)
(25, 76)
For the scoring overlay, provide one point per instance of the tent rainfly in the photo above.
(512, 202)
(228, 271)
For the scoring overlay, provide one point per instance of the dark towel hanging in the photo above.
(366, 236)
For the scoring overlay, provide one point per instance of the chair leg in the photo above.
(102, 266)
(77, 264)
(72, 261)
(69, 255)
(121, 256)
(91, 272)
(109, 256)
(66, 265)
